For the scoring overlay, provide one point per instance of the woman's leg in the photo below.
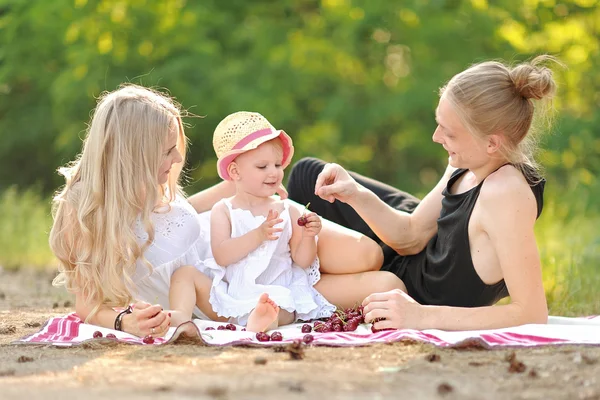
(190, 287)
(349, 290)
(346, 244)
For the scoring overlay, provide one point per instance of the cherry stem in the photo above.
(305, 208)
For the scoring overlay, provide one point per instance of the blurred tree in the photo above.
(351, 81)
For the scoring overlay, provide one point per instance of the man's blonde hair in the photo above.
(111, 183)
(493, 98)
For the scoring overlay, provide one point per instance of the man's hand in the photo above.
(399, 310)
(335, 183)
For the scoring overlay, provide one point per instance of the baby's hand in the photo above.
(267, 230)
(312, 224)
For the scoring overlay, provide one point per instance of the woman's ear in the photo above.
(494, 143)
(233, 171)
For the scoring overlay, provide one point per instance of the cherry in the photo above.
(306, 328)
(221, 328)
(111, 336)
(210, 328)
(303, 220)
(308, 338)
(263, 337)
(97, 334)
(352, 325)
(148, 339)
(276, 336)
(230, 327)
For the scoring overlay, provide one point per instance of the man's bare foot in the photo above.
(264, 315)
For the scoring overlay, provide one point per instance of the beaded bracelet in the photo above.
(119, 318)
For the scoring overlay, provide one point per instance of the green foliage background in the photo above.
(352, 81)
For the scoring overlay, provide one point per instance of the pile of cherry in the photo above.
(346, 320)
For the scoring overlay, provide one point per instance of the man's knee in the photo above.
(372, 255)
(389, 281)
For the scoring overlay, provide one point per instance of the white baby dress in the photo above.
(268, 269)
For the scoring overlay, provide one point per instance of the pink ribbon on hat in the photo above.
(251, 137)
(287, 149)
(258, 134)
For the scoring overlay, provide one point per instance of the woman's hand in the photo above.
(146, 319)
(312, 225)
(335, 183)
(267, 229)
(399, 310)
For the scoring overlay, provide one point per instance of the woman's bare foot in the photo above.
(264, 315)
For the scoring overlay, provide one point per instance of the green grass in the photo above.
(569, 243)
(568, 239)
(25, 223)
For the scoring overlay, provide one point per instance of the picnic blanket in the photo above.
(69, 330)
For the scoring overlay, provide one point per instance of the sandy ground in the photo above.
(189, 370)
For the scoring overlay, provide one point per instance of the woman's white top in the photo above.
(182, 237)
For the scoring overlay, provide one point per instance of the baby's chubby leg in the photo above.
(189, 288)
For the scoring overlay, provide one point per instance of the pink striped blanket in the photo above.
(69, 330)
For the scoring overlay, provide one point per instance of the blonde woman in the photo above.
(122, 225)
(470, 241)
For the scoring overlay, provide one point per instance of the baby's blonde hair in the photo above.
(491, 98)
(277, 145)
(113, 181)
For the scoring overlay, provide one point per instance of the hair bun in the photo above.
(532, 81)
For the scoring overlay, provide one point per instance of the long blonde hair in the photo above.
(111, 183)
(492, 98)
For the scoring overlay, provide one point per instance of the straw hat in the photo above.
(243, 131)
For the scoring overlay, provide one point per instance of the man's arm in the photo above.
(406, 233)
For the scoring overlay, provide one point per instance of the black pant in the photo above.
(301, 188)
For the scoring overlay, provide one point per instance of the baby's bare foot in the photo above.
(264, 315)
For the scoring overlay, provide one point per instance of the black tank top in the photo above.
(443, 273)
